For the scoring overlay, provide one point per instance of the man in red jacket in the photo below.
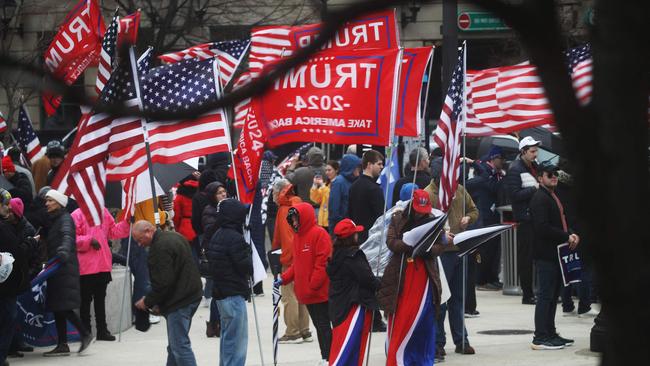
(311, 250)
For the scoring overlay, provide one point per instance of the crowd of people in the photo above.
(318, 216)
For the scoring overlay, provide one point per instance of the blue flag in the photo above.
(389, 176)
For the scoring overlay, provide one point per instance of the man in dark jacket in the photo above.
(418, 168)
(22, 187)
(366, 197)
(484, 188)
(175, 287)
(520, 184)
(340, 190)
(232, 264)
(550, 227)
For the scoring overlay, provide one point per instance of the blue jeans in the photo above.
(234, 331)
(8, 313)
(549, 282)
(453, 267)
(179, 348)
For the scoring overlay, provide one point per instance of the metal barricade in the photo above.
(509, 273)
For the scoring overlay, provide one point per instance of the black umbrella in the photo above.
(167, 176)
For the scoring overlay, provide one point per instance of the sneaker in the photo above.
(546, 344)
(566, 341)
(306, 337)
(259, 295)
(468, 350)
(154, 319)
(589, 314)
(570, 313)
(286, 339)
(60, 350)
(498, 284)
(472, 314)
(85, 342)
(105, 336)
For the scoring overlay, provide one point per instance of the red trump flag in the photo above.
(410, 107)
(248, 158)
(76, 45)
(345, 97)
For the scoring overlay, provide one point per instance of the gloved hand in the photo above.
(277, 282)
(95, 244)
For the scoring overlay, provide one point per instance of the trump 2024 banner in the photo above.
(410, 112)
(345, 97)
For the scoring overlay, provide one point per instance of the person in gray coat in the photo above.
(63, 288)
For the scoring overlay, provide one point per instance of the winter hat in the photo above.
(406, 192)
(8, 165)
(59, 197)
(347, 227)
(495, 152)
(17, 207)
(436, 168)
(5, 196)
(421, 202)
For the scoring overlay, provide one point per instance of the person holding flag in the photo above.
(351, 296)
(410, 288)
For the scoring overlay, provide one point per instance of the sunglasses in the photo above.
(551, 174)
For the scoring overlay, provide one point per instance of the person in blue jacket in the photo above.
(340, 189)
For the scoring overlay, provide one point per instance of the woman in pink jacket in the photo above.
(95, 264)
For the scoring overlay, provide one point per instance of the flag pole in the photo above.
(145, 134)
(391, 143)
(127, 277)
(464, 114)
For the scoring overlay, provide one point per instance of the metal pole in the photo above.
(389, 160)
(449, 41)
(127, 280)
(257, 327)
(464, 114)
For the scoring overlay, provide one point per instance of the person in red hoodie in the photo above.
(183, 211)
(312, 249)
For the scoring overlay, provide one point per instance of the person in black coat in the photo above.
(520, 184)
(484, 188)
(366, 201)
(418, 163)
(16, 283)
(22, 188)
(232, 267)
(551, 228)
(63, 288)
(352, 299)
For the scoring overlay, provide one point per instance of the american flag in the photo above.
(3, 123)
(228, 53)
(512, 98)
(26, 137)
(448, 134)
(268, 44)
(107, 55)
(171, 88)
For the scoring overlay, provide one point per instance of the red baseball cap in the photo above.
(347, 227)
(421, 202)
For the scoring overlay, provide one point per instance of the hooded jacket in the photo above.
(340, 190)
(303, 177)
(311, 250)
(351, 282)
(183, 209)
(228, 253)
(93, 261)
(283, 234)
(209, 214)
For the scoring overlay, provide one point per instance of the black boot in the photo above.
(105, 335)
(86, 339)
(60, 350)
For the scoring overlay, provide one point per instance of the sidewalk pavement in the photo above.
(498, 312)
